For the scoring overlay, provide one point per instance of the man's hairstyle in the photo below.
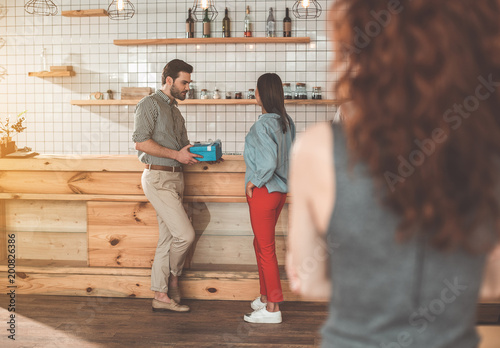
(173, 68)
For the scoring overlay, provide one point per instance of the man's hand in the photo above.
(249, 189)
(184, 156)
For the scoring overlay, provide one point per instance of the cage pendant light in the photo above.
(41, 8)
(121, 10)
(307, 9)
(199, 7)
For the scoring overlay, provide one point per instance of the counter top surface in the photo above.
(112, 163)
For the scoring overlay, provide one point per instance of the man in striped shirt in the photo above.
(161, 142)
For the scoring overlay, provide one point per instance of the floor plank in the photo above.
(64, 321)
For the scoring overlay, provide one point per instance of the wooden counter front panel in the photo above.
(48, 230)
(125, 234)
(115, 183)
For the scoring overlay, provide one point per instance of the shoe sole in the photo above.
(168, 310)
(259, 321)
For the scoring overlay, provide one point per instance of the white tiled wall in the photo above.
(55, 126)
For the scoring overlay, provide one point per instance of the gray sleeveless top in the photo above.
(387, 294)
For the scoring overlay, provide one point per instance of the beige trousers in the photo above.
(176, 234)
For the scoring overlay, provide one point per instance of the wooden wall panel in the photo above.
(242, 286)
(126, 234)
(51, 246)
(121, 234)
(231, 250)
(118, 183)
(3, 231)
(49, 216)
(221, 184)
(230, 219)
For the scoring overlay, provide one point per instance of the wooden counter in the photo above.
(84, 227)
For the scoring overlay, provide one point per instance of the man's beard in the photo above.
(177, 94)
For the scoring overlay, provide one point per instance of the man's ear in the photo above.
(170, 80)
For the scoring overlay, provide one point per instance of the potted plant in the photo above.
(7, 131)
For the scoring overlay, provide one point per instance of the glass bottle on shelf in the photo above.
(192, 90)
(229, 95)
(270, 24)
(206, 25)
(251, 94)
(226, 25)
(287, 24)
(248, 23)
(287, 91)
(189, 25)
(203, 94)
(216, 94)
(316, 93)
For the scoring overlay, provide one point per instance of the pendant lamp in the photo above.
(199, 7)
(121, 10)
(306, 9)
(41, 8)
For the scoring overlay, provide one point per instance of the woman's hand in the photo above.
(249, 189)
(293, 278)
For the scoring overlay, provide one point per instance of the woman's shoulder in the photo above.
(267, 122)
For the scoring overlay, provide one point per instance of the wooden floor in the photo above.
(78, 322)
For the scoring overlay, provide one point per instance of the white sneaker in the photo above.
(262, 316)
(257, 304)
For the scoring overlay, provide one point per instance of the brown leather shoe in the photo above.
(159, 306)
(174, 294)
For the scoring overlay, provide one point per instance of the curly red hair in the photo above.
(422, 77)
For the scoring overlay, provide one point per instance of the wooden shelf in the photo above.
(52, 73)
(85, 13)
(209, 102)
(213, 40)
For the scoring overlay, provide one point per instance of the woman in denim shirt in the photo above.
(267, 149)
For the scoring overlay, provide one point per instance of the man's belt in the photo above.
(164, 168)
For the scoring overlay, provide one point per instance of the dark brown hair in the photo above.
(425, 112)
(271, 94)
(173, 68)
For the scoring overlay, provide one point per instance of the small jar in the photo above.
(216, 94)
(229, 95)
(203, 94)
(300, 91)
(287, 91)
(316, 93)
(251, 94)
(192, 91)
(237, 95)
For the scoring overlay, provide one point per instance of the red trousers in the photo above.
(265, 208)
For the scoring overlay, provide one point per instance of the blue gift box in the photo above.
(211, 151)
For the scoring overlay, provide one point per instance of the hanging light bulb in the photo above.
(307, 9)
(41, 7)
(199, 7)
(121, 10)
(120, 6)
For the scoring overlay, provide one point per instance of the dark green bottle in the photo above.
(226, 26)
(206, 25)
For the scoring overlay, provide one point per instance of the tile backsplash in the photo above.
(56, 126)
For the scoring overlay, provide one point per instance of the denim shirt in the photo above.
(267, 153)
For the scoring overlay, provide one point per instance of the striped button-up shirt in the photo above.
(158, 118)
